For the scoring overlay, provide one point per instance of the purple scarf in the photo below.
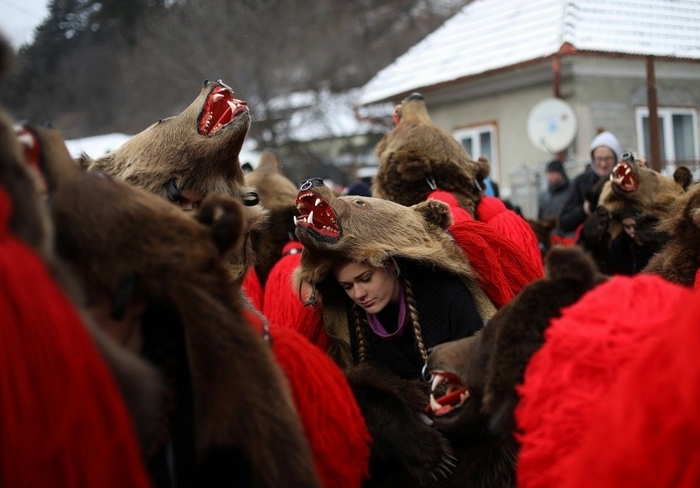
(379, 329)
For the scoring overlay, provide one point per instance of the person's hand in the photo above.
(587, 207)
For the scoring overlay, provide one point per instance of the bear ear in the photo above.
(570, 263)
(84, 161)
(683, 177)
(483, 167)
(225, 217)
(435, 212)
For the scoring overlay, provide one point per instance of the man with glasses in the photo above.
(605, 153)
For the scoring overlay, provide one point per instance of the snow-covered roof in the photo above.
(316, 115)
(96, 146)
(492, 34)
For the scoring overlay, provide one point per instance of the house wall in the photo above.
(603, 92)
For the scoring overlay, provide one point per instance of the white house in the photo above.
(484, 70)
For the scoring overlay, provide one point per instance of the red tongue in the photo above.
(448, 400)
(225, 115)
(452, 397)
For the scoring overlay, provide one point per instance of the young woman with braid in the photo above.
(399, 311)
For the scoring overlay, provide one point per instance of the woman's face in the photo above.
(371, 288)
(604, 160)
(629, 224)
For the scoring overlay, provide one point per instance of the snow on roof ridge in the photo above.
(493, 34)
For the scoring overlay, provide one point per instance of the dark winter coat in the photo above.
(572, 214)
(446, 312)
(552, 200)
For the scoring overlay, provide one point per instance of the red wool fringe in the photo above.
(62, 420)
(283, 307)
(494, 212)
(586, 350)
(252, 288)
(332, 421)
(647, 430)
(502, 267)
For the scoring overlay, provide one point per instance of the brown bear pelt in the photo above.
(406, 450)
(679, 260)
(24, 153)
(632, 185)
(196, 150)
(278, 196)
(368, 230)
(233, 411)
(417, 154)
(483, 371)
(642, 188)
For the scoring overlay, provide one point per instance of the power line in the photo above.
(22, 9)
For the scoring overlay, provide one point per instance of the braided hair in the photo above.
(361, 325)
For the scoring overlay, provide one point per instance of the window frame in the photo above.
(666, 113)
(474, 131)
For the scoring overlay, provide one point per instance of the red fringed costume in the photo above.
(282, 305)
(332, 420)
(62, 419)
(252, 288)
(493, 212)
(567, 381)
(501, 246)
(647, 432)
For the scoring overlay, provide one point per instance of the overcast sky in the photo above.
(19, 18)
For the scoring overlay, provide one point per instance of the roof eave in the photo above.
(566, 49)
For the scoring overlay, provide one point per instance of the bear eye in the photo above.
(359, 202)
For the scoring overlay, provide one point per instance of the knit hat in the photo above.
(607, 139)
(556, 166)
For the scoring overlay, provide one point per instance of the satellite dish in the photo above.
(552, 125)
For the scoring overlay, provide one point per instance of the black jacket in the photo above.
(572, 214)
(446, 312)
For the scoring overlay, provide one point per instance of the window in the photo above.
(678, 133)
(480, 141)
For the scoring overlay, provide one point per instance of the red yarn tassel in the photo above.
(283, 307)
(253, 289)
(332, 420)
(502, 267)
(62, 419)
(493, 211)
(583, 355)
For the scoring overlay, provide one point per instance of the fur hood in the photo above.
(370, 230)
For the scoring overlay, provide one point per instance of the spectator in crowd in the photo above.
(605, 152)
(552, 199)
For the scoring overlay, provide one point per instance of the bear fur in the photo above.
(679, 260)
(490, 365)
(26, 152)
(632, 185)
(417, 154)
(278, 196)
(229, 410)
(642, 188)
(195, 150)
